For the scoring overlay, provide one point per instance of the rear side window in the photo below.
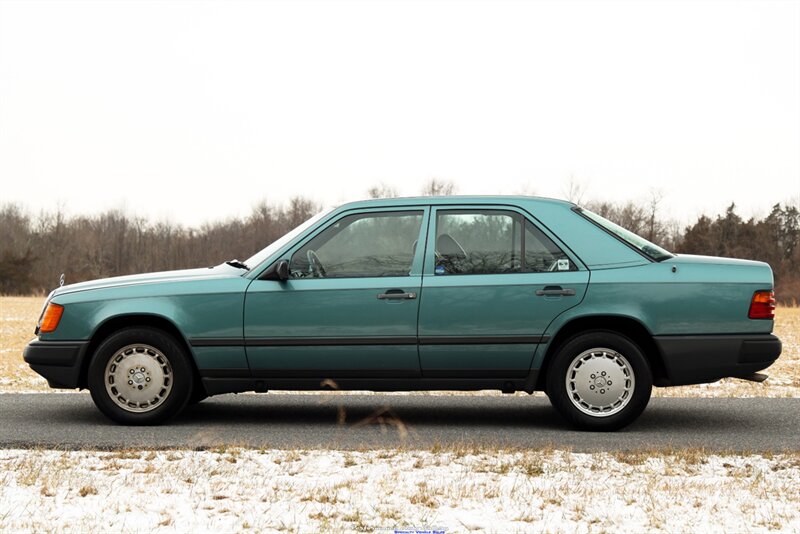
(542, 255)
(493, 242)
(651, 250)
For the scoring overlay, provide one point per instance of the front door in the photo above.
(493, 281)
(351, 305)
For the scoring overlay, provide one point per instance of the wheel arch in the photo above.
(626, 326)
(118, 322)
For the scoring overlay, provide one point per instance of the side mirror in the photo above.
(277, 271)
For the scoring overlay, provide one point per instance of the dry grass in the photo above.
(485, 489)
(19, 315)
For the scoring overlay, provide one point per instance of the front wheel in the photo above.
(140, 376)
(599, 381)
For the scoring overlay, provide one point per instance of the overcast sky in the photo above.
(193, 111)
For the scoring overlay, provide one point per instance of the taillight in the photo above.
(763, 305)
(51, 317)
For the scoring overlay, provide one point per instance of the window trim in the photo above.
(561, 248)
(429, 265)
(416, 261)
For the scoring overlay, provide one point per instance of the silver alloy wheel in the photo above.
(600, 382)
(138, 378)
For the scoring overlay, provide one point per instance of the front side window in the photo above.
(493, 242)
(361, 245)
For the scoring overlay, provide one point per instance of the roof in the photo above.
(456, 199)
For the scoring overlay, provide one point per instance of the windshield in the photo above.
(646, 247)
(276, 245)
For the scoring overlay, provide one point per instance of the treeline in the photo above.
(34, 251)
(774, 239)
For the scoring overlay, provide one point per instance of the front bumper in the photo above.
(60, 362)
(703, 359)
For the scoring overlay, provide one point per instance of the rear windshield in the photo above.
(647, 248)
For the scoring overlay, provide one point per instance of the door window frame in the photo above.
(430, 249)
(419, 253)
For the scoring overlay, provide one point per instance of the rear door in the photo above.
(351, 305)
(493, 280)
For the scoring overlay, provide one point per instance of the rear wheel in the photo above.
(140, 376)
(599, 381)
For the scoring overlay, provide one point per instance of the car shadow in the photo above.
(344, 413)
(431, 411)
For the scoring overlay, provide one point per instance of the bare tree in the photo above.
(654, 226)
(300, 210)
(382, 190)
(436, 188)
(574, 190)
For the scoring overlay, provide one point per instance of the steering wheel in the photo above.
(314, 265)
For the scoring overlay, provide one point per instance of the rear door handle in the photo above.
(397, 294)
(555, 291)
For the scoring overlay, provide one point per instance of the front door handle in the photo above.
(397, 294)
(555, 291)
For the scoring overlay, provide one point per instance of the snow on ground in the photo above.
(447, 490)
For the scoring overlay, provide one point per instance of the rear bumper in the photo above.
(702, 359)
(57, 361)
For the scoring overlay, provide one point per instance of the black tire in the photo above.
(171, 381)
(621, 408)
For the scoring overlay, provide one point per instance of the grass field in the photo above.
(19, 316)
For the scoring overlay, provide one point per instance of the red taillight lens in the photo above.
(763, 305)
(51, 317)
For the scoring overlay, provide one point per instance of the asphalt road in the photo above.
(70, 421)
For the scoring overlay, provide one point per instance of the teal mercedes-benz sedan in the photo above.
(435, 293)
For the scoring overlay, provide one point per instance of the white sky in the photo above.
(192, 111)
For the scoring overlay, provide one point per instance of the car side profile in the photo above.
(434, 293)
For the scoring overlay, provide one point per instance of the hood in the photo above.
(219, 271)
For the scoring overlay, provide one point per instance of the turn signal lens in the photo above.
(763, 305)
(51, 317)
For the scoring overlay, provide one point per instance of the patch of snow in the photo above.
(456, 490)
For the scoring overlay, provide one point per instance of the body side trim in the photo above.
(338, 341)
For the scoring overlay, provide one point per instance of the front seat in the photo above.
(450, 255)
